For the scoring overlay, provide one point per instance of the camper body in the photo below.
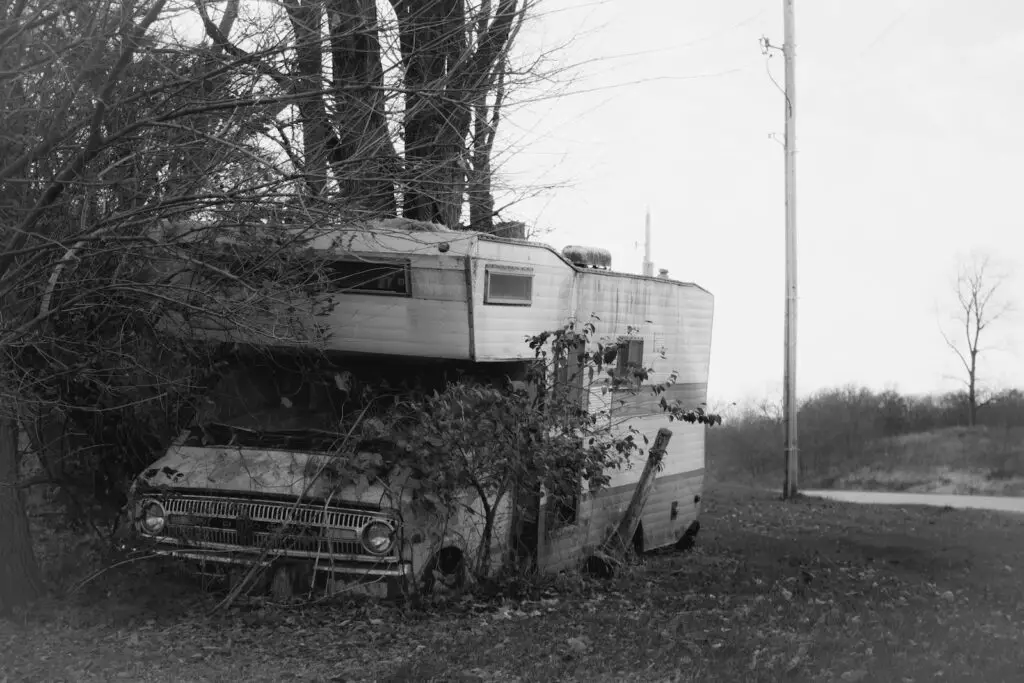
(456, 303)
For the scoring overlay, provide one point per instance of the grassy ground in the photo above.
(804, 591)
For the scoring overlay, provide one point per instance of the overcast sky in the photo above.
(910, 146)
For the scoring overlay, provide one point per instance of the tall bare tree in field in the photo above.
(980, 303)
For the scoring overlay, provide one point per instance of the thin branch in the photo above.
(28, 226)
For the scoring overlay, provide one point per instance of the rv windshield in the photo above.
(217, 434)
(266, 400)
(272, 405)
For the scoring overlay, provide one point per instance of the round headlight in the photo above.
(378, 538)
(152, 518)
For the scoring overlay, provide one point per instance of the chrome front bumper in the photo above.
(226, 554)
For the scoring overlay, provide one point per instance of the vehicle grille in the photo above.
(282, 528)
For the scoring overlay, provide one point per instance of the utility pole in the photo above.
(789, 367)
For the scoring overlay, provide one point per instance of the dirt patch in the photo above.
(931, 480)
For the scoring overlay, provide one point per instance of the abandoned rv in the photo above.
(251, 482)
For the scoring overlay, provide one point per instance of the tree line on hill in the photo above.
(836, 426)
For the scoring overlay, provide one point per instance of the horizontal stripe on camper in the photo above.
(645, 402)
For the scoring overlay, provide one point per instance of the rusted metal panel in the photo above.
(598, 515)
(500, 330)
(625, 405)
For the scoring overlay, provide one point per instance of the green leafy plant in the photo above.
(498, 437)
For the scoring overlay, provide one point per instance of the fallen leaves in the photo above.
(774, 591)
(579, 645)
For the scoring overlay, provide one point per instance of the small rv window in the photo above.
(570, 365)
(564, 510)
(508, 287)
(368, 277)
(629, 359)
(563, 504)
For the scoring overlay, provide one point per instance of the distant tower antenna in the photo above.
(648, 265)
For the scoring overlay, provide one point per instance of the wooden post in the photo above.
(621, 539)
(790, 408)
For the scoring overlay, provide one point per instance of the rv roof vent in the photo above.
(588, 257)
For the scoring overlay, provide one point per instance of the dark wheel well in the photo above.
(450, 560)
(689, 537)
(450, 563)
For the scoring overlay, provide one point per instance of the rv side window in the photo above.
(369, 277)
(563, 507)
(564, 510)
(629, 359)
(569, 368)
(509, 287)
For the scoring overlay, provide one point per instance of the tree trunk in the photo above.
(366, 163)
(20, 580)
(481, 199)
(972, 406)
(318, 138)
(437, 113)
(972, 391)
(485, 127)
(444, 77)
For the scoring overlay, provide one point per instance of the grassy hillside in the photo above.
(853, 437)
(969, 460)
(978, 460)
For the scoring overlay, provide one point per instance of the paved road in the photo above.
(1000, 503)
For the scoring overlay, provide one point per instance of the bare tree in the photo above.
(264, 138)
(60, 66)
(402, 116)
(979, 304)
(106, 130)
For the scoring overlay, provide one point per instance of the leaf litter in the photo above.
(773, 591)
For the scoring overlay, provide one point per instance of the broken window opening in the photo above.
(563, 508)
(566, 511)
(570, 366)
(390, 278)
(306, 401)
(629, 361)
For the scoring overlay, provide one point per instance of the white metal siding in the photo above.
(433, 322)
(670, 315)
(675, 319)
(685, 451)
(500, 331)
